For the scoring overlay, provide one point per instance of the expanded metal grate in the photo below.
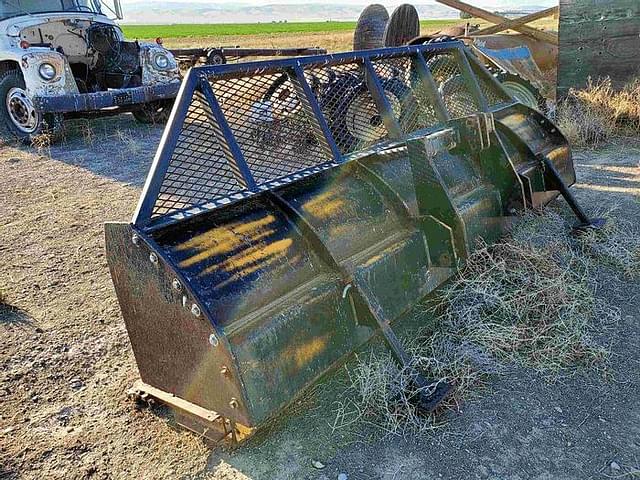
(488, 89)
(250, 127)
(198, 170)
(406, 92)
(267, 118)
(346, 102)
(452, 86)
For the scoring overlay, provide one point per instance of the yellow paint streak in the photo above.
(255, 256)
(305, 354)
(325, 205)
(219, 241)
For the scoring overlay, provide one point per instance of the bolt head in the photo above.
(213, 340)
(195, 310)
(233, 403)
(153, 258)
(135, 239)
(177, 285)
(224, 370)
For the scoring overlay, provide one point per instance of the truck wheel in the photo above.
(18, 116)
(154, 112)
(522, 90)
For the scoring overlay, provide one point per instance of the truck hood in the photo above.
(15, 25)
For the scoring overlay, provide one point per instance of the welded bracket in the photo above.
(429, 393)
(212, 426)
(477, 130)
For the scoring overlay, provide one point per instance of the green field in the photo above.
(219, 29)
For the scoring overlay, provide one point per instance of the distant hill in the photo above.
(178, 12)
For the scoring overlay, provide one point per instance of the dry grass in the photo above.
(529, 300)
(131, 140)
(618, 246)
(598, 113)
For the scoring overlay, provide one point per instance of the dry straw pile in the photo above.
(529, 300)
(598, 113)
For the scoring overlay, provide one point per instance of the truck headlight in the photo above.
(161, 61)
(47, 71)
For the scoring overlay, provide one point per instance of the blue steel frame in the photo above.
(198, 80)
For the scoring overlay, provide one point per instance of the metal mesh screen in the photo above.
(347, 105)
(406, 94)
(273, 121)
(275, 133)
(451, 84)
(490, 92)
(198, 170)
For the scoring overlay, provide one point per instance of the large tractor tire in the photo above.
(18, 116)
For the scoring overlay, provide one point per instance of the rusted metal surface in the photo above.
(248, 275)
(220, 55)
(210, 425)
(598, 39)
(544, 54)
(516, 60)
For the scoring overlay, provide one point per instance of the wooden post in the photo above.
(495, 18)
(516, 22)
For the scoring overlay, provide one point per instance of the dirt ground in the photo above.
(66, 363)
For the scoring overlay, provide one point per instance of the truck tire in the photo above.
(18, 117)
(154, 112)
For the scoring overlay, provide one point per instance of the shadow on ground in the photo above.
(117, 148)
(13, 316)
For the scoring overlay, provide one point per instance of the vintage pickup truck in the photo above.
(66, 58)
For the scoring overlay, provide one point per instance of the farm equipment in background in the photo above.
(524, 63)
(190, 57)
(256, 263)
(60, 61)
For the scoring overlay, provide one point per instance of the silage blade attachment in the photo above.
(296, 208)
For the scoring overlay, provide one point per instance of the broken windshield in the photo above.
(14, 8)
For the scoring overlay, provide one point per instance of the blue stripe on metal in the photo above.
(516, 53)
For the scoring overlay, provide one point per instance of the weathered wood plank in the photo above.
(495, 18)
(598, 39)
(516, 22)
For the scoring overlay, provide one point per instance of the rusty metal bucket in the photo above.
(296, 208)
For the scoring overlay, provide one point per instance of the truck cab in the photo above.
(66, 58)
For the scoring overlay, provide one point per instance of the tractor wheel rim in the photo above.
(363, 120)
(21, 111)
(521, 93)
